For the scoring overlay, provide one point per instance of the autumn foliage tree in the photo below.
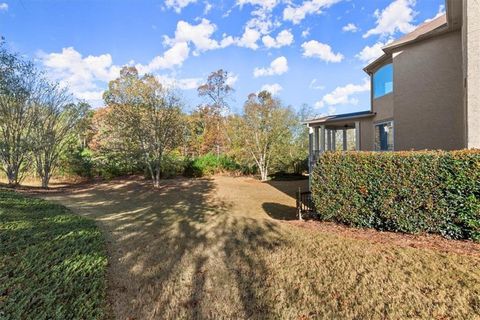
(146, 116)
(264, 130)
(210, 117)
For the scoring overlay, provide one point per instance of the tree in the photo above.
(217, 91)
(147, 116)
(20, 87)
(55, 124)
(263, 129)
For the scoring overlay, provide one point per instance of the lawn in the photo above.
(52, 262)
(217, 248)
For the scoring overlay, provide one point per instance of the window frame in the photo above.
(377, 124)
(374, 95)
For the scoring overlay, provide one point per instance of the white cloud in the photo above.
(441, 12)
(297, 14)
(86, 77)
(262, 19)
(343, 95)
(231, 80)
(277, 67)
(315, 86)
(306, 33)
(350, 28)
(315, 49)
(80, 74)
(273, 88)
(208, 8)
(184, 84)
(3, 6)
(265, 4)
(371, 53)
(178, 5)
(397, 17)
(200, 35)
(249, 39)
(173, 57)
(284, 38)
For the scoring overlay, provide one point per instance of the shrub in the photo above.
(210, 164)
(412, 192)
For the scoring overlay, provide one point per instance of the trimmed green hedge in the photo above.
(412, 192)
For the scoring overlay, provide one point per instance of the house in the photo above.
(425, 92)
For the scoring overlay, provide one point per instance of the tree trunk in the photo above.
(45, 180)
(156, 182)
(12, 176)
(263, 173)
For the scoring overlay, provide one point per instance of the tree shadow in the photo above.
(279, 211)
(172, 248)
(291, 187)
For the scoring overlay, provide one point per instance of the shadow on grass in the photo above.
(291, 187)
(177, 251)
(279, 211)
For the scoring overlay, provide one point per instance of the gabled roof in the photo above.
(428, 29)
(339, 117)
(423, 31)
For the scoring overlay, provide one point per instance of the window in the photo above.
(383, 81)
(384, 136)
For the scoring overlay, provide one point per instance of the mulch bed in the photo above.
(422, 241)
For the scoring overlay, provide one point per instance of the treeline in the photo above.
(37, 119)
(143, 129)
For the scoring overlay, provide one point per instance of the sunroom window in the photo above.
(384, 136)
(383, 81)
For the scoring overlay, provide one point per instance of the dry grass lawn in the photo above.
(217, 248)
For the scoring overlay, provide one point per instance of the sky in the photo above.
(303, 51)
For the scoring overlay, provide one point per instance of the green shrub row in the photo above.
(211, 164)
(412, 192)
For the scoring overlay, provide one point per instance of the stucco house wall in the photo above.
(366, 135)
(471, 69)
(428, 94)
(383, 107)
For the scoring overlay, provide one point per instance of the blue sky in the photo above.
(305, 51)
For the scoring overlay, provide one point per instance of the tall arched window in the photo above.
(383, 81)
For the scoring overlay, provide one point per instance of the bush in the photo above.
(210, 164)
(77, 162)
(412, 192)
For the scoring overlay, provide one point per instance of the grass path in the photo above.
(209, 248)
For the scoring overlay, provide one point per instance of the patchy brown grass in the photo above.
(216, 248)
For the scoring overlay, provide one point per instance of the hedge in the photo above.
(411, 192)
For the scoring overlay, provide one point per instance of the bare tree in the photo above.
(147, 116)
(19, 87)
(57, 118)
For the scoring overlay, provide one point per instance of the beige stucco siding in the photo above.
(428, 94)
(366, 135)
(471, 42)
(383, 107)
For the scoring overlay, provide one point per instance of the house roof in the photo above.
(424, 31)
(340, 117)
